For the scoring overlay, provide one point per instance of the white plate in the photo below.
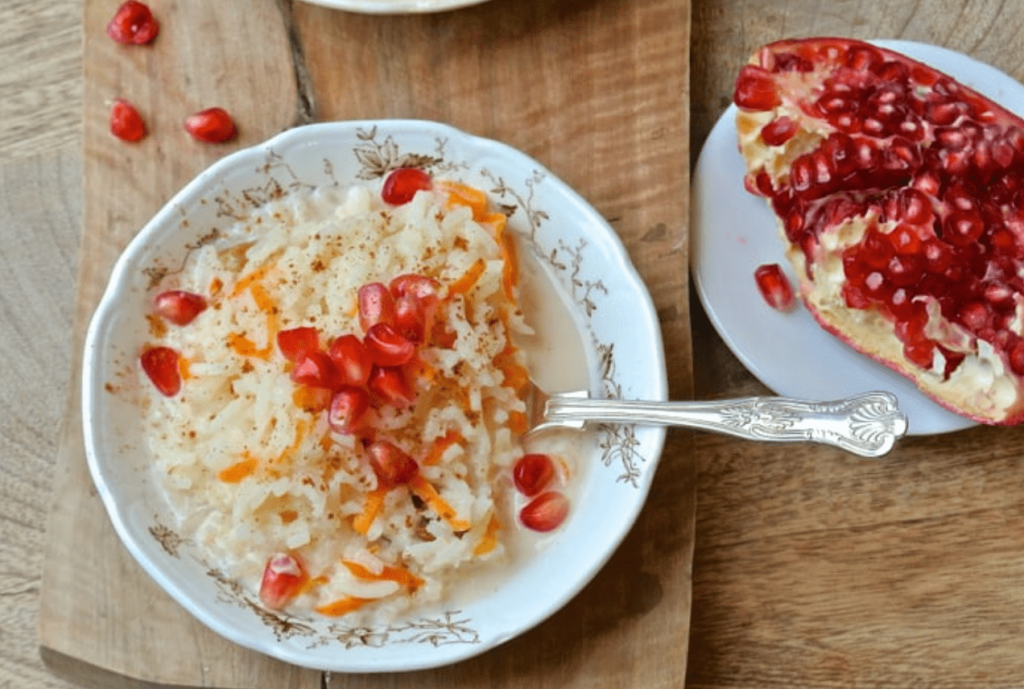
(734, 232)
(584, 255)
(396, 6)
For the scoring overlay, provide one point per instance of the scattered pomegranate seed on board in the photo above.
(125, 121)
(213, 125)
(133, 24)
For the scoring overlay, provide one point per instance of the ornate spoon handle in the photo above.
(867, 425)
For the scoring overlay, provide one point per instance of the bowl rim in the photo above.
(169, 215)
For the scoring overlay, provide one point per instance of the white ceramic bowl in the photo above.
(591, 266)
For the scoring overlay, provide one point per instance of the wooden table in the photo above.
(811, 568)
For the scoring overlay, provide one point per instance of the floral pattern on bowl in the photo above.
(566, 234)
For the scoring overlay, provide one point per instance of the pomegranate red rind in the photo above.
(900, 196)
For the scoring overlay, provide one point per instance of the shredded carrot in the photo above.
(399, 575)
(239, 470)
(462, 195)
(243, 346)
(310, 399)
(438, 447)
(426, 492)
(300, 432)
(466, 281)
(490, 537)
(183, 368)
(251, 278)
(510, 267)
(371, 508)
(518, 423)
(342, 606)
(516, 375)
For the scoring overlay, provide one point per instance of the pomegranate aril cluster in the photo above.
(932, 171)
(134, 24)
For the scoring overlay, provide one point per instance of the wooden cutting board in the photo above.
(597, 90)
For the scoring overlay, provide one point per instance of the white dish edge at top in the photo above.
(734, 232)
(396, 6)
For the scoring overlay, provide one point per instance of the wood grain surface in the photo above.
(811, 569)
(595, 91)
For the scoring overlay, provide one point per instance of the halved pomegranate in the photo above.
(899, 193)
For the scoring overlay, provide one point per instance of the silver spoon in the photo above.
(867, 425)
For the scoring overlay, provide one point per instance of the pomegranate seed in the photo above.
(213, 125)
(532, 473)
(546, 512)
(126, 122)
(178, 306)
(133, 24)
(376, 305)
(401, 185)
(283, 579)
(1015, 356)
(410, 318)
(788, 62)
(161, 365)
(755, 89)
(390, 386)
(351, 360)
(392, 465)
(777, 132)
(423, 288)
(962, 227)
(348, 410)
(296, 341)
(975, 316)
(920, 353)
(315, 369)
(905, 240)
(774, 286)
(387, 347)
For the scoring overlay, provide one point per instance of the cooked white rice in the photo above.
(310, 254)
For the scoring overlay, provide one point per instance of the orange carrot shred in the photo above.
(466, 281)
(310, 399)
(399, 575)
(300, 432)
(463, 195)
(371, 508)
(183, 368)
(426, 492)
(243, 346)
(249, 279)
(517, 422)
(342, 606)
(239, 470)
(438, 447)
(490, 538)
